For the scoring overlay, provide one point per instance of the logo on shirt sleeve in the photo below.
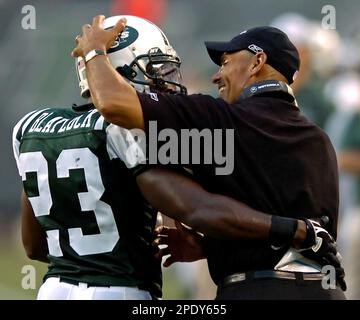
(153, 96)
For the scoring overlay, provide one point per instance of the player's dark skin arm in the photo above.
(182, 199)
(33, 236)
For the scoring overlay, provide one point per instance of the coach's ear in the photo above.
(258, 61)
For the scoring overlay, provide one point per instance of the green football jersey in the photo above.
(75, 172)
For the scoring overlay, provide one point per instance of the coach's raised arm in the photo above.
(114, 97)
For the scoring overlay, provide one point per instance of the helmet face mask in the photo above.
(156, 70)
(143, 56)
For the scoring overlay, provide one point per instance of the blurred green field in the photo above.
(13, 259)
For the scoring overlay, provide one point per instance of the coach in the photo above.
(284, 164)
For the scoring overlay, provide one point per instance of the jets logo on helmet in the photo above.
(143, 55)
(126, 38)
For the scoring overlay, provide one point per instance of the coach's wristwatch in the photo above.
(93, 54)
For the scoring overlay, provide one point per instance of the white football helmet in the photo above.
(143, 55)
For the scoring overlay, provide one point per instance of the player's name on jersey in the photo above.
(46, 123)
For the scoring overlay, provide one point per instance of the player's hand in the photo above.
(322, 249)
(95, 37)
(183, 244)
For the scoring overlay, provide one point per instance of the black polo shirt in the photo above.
(284, 165)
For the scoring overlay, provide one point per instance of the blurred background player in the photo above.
(344, 128)
(317, 49)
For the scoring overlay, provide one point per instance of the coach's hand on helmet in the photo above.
(183, 244)
(95, 37)
(320, 247)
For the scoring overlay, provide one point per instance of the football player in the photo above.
(82, 211)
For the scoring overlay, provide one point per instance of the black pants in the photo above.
(278, 289)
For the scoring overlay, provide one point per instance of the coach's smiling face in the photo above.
(238, 70)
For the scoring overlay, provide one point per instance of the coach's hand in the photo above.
(321, 247)
(95, 37)
(183, 244)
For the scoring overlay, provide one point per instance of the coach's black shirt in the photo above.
(284, 165)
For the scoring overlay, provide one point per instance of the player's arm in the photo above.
(182, 199)
(33, 236)
(115, 99)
